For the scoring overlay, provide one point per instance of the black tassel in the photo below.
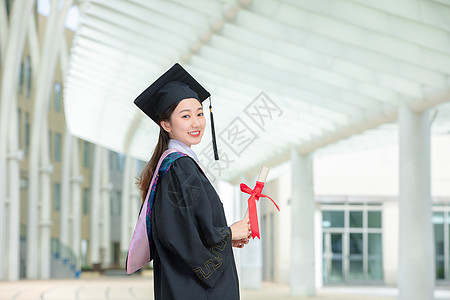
(216, 154)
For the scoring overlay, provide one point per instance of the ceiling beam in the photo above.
(346, 132)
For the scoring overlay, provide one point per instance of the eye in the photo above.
(200, 114)
(185, 116)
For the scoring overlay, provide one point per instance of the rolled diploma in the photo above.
(262, 178)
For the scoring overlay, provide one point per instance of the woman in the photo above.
(187, 231)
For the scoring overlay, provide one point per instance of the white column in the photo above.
(302, 279)
(15, 155)
(125, 209)
(13, 51)
(134, 196)
(76, 180)
(49, 53)
(106, 211)
(45, 204)
(65, 205)
(251, 254)
(390, 242)
(94, 238)
(416, 248)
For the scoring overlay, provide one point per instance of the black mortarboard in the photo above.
(170, 88)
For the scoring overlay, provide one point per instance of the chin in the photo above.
(196, 142)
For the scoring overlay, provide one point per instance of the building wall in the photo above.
(56, 132)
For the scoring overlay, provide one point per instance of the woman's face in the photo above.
(187, 122)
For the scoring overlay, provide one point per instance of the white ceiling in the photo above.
(332, 73)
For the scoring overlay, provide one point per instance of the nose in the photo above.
(195, 122)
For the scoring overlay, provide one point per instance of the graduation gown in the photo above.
(193, 252)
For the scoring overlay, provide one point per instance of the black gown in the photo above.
(193, 257)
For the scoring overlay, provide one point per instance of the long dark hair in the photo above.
(145, 179)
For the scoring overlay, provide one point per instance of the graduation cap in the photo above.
(170, 88)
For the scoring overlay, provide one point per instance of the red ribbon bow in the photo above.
(255, 194)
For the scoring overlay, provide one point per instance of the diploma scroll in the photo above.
(255, 194)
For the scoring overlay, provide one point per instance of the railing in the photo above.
(66, 256)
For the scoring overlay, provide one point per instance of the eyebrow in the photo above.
(187, 109)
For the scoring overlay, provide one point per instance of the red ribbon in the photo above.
(255, 194)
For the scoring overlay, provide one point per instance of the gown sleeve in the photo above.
(188, 223)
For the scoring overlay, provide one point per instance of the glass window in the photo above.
(23, 183)
(27, 132)
(19, 127)
(336, 243)
(57, 97)
(57, 197)
(50, 152)
(336, 271)
(375, 267)
(374, 219)
(438, 223)
(86, 154)
(116, 200)
(85, 201)
(333, 219)
(20, 84)
(356, 244)
(57, 144)
(121, 158)
(55, 247)
(356, 271)
(27, 68)
(356, 219)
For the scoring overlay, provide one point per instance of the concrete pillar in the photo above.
(76, 180)
(390, 242)
(416, 248)
(302, 279)
(45, 205)
(318, 246)
(94, 218)
(12, 51)
(251, 254)
(106, 211)
(125, 233)
(65, 206)
(132, 195)
(14, 158)
(49, 53)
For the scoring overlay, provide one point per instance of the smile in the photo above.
(194, 133)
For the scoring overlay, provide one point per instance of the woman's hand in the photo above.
(239, 243)
(240, 230)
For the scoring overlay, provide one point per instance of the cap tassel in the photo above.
(216, 155)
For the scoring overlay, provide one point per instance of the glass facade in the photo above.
(85, 201)
(352, 244)
(57, 196)
(86, 154)
(441, 226)
(57, 89)
(27, 131)
(57, 147)
(27, 69)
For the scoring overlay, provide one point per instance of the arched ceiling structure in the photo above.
(311, 74)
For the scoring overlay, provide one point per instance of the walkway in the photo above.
(140, 288)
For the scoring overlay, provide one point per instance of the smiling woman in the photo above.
(182, 224)
(188, 122)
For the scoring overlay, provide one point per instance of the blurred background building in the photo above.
(346, 101)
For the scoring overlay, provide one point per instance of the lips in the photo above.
(194, 133)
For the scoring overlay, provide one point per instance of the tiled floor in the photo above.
(140, 288)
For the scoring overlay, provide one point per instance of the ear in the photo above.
(166, 126)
